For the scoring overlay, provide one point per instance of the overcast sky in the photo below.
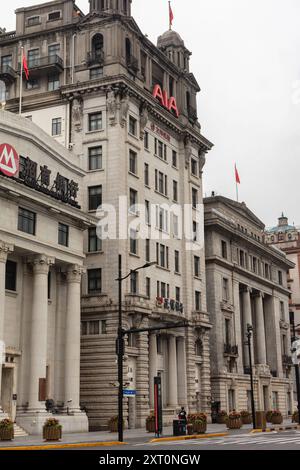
(246, 57)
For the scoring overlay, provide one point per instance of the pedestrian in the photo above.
(182, 415)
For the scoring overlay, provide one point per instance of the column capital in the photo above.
(5, 249)
(259, 294)
(40, 263)
(74, 273)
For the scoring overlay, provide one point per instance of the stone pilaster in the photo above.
(152, 366)
(181, 371)
(172, 371)
(142, 380)
(260, 329)
(247, 320)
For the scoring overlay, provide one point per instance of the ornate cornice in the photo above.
(5, 249)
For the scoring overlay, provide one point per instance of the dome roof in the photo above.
(169, 38)
(283, 226)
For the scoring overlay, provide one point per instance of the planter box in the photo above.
(247, 419)
(235, 423)
(150, 426)
(277, 420)
(190, 429)
(6, 434)
(222, 419)
(52, 433)
(199, 428)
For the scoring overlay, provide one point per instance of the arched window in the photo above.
(198, 348)
(188, 99)
(128, 50)
(97, 45)
(125, 7)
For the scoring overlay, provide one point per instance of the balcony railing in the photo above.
(274, 373)
(287, 360)
(7, 74)
(40, 65)
(247, 370)
(95, 58)
(132, 64)
(230, 350)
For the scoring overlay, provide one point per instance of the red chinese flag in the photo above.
(171, 16)
(237, 176)
(25, 68)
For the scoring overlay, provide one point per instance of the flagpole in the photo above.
(21, 81)
(170, 25)
(237, 192)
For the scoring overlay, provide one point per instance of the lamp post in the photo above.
(120, 343)
(296, 365)
(249, 336)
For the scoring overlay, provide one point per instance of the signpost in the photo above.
(9, 160)
(158, 406)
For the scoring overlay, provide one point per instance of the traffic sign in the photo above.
(129, 393)
(9, 160)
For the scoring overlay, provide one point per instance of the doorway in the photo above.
(266, 397)
(7, 391)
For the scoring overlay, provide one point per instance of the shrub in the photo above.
(197, 417)
(51, 423)
(6, 424)
(234, 415)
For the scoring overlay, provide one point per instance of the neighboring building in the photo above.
(287, 238)
(41, 263)
(128, 109)
(246, 284)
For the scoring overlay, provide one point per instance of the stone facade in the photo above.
(40, 277)
(246, 284)
(91, 86)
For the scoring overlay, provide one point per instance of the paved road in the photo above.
(289, 440)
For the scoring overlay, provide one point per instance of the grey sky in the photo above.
(246, 59)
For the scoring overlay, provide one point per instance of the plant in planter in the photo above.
(113, 424)
(234, 420)
(222, 417)
(150, 423)
(295, 417)
(269, 416)
(52, 430)
(6, 430)
(246, 417)
(200, 423)
(276, 417)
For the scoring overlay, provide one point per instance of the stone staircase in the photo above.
(19, 432)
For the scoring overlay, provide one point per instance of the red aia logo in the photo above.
(9, 160)
(162, 96)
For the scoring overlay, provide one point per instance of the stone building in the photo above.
(41, 264)
(128, 109)
(286, 237)
(246, 284)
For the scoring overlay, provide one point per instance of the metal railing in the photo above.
(95, 58)
(132, 63)
(7, 71)
(45, 61)
(287, 360)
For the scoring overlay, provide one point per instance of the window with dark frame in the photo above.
(95, 158)
(146, 174)
(95, 243)
(95, 121)
(133, 200)
(197, 271)
(56, 126)
(55, 15)
(63, 234)
(133, 162)
(96, 72)
(32, 84)
(33, 21)
(26, 221)
(175, 191)
(134, 283)
(133, 242)
(146, 140)
(11, 276)
(224, 249)
(53, 50)
(94, 281)
(198, 301)
(194, 198)
(194, 167)
(177, 261)
(147, 241)
(148, 287)
(132, 126)
(174, 158)
(53, 82)
(95, 197)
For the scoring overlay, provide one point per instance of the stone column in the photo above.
(260, 329)
(72, 339)
(247, 319)
(181, 370)
(5, 249)
(39, 327)
(172, 383)
(152, 366)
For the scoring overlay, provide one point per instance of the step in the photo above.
(19, 432)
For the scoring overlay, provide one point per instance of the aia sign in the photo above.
(9, 160)
(162, 97)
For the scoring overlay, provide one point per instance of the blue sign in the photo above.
(129, 393)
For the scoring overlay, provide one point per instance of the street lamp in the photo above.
(120, 343)
(248, 343)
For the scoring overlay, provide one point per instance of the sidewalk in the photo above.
(139, 435)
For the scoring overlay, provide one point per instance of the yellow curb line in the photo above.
(285, 428)
(256, 431)
(186, 438)
(65, 446)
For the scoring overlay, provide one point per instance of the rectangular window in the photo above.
(198, 301)
(132, 126)
(162, 253)
(147, 213)
(194, 167)
(96, 72)
(95, 197)
(6, 61)
(33, 58)
(175, 191)
(161, 183)
(177, 262)
(280, 281)
(195, 231)
(162, 218)
(32, 84)
(196, 266)
(146, 174)
(132, 162)
(242, 258)
(134, 283)
(194, 198)
(55, 15)
(133, 200)
(95, 158)
(95, 243)
(174, 158)
(33, 21)
(133, 242)
(94, 327)
(94, 281)
(227, 332)
(53, 82)
(146, 140)
(26, 221)
(160, 149)
(175, 226)
(11, 275)
(147, 250)
(95, 121)
(225, 289)
(148, 287)
(53, 50)
(224, 249)
(177, 294)
(63, 234)
(56, 126)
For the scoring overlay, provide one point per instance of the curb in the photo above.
(186, 438)
(65, 446)
(272, 429)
